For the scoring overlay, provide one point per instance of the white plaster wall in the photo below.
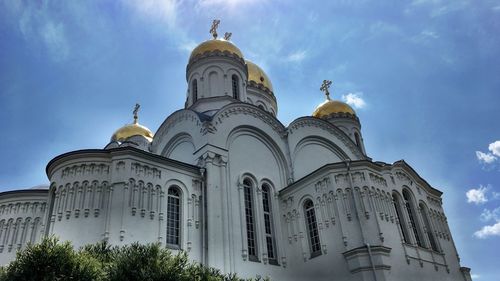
(21, 220)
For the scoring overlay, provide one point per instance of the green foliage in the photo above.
(52, 260)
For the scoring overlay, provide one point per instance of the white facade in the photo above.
(224, 180)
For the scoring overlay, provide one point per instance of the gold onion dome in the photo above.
(257, 75)
(331, 106)
(134, 129)
(211, 45)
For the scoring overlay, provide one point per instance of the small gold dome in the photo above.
(130, 130)
(332, 106)
(215, 45)
(256, 74)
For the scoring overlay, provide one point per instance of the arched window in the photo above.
(428, 228)
(401, 219)
(250, 219)
(261, 107)
(312, 228)
(412, 216)
(194, 88)
(236, 86)
(268, 224)
(356, 137)
(173, 217)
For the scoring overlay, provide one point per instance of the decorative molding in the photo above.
(378, 180)
(247, 109)
(89, 169)
(145, 171)
(322, 124)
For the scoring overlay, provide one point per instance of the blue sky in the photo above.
(422, 75)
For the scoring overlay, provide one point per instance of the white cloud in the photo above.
(297, 56)
(494, 147)
(477, 196)
(490, 215)
(475, 276)
(486, 158)
(488, 230)
(354, 99)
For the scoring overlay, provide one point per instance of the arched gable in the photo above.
(181, 148)
(252, 150)
(312, 152)
(182, 122)
(310, 126)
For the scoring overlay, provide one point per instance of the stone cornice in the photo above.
(261, 87)
(308, 121)
(109, 153)
(399, 165)
(214, 54)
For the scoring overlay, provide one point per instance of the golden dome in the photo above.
(215, 45)
(256, 74)
(332, 106)
(130, 130)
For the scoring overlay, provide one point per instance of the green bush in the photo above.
(52, 260)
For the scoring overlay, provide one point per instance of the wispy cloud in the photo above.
(486, 158)
(228, 3)
(163, 10)
(490, 215)
(297, 56)
(41, 29)
(354, 99)
(477, 195)
(491, 156)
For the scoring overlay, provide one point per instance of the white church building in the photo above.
(225, 181)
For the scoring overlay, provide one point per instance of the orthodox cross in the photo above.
(324, 88)
(227, 36)
(136, 110)
(213, 29)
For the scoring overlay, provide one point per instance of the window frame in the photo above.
(250, 219)
(178, 227)
(235, 86)
(311, 222)
(269, 227)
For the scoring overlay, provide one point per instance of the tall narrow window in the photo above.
(312, 228)
(173, 216)
(412, 217)
(194, 88)
(356, 137)
(268, 224)
(236, 86)
(428, 228)
(250, 221)
(402, 222)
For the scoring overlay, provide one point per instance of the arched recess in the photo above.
(251, 149)
(313, 152)
(412, 215)
(214, 76)
(429, 230)
(181, 148)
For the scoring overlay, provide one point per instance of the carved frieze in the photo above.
(89, 169)
(145, 171)
(378, 180)
(404, 178)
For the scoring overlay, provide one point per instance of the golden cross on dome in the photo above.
(324, 88)
(136, 110)
(213, 28)
(227, 36)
